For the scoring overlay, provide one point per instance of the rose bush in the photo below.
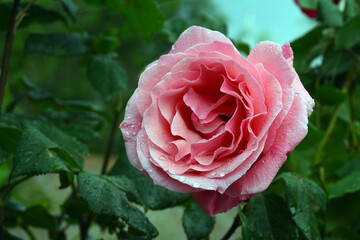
(206, 121)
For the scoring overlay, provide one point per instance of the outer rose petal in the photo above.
(195, 35)
(131, 130)
(213, 202)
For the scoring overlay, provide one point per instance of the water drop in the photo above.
(222, 174)
(182, 179)
(196, 185)
(213, 174)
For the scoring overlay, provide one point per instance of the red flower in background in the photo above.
(311, 13)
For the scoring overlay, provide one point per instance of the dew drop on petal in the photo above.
(213, 174)
(182, 179)
(196, 185)
(222, 174)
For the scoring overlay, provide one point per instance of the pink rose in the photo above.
(206, 121)
(311, 13)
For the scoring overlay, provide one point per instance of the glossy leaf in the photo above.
(32, 155)
(103, 197)
(58, 44)
(152, 196)
(348, 184)
(300, 195)
(197, 223)
(106, 75)
(267, 217)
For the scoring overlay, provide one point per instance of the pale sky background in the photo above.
(252, 21)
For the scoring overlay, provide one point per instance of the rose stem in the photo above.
(7, 51)
(333, 119)
(233, 227)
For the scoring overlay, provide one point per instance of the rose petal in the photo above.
(195, 35)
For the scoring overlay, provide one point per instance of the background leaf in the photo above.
(58, 44)
(197, 223)
(106, 75)
(348, 184)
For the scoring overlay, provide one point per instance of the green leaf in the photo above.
(338, 61)
(64, 140)
(105, 44)
(70, 7)
(106, 75)
(349, 34)
(104, 198)
(348, 184)
(144, 16)
(9, 137)
(268, 218)
(349, 168)
(80, 131)
(75, 208)
(329, 13)
(32, 155)
(124, 184)
(197, 223)
(329, 95)
(315, 45)
(350, 10)
(300, 195)
(38, 216)
(58, 44)
(152, 196)
(65, 179)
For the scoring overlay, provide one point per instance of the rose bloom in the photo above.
(206, 121)
(311, 13)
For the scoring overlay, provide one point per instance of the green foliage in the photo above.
(151, 195)
(329, 13)
(197, 223)
(106, 75)
(301, 193)
(58, 44)
(33, 155)
(267, 217)
(103, 197)
(144, 16)
(348, 184)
